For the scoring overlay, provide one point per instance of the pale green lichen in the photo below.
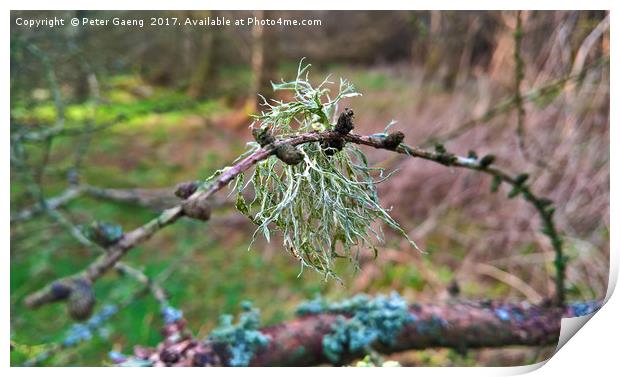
(326, 204)
(368, 361)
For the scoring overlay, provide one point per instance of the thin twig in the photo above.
(131, 239)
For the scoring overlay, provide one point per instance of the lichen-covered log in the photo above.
(300, 342)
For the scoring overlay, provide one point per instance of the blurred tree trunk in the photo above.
(201, 81)
(263, 61)
(434, 59)
(76, 37)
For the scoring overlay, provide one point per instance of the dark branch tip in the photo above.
(393, 140)
(487, 160)
(345, 122)
(262, 136)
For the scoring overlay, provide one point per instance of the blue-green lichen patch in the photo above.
(315, 306)
(432, 326)
(510, 312)
(365, 320)
(502, 314)
(171, 314)
(579, 309)
(80, 332)
(243, 338)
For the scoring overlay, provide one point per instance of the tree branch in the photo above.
(201, 197)
(299, 342)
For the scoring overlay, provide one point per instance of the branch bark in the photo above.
(299, 342)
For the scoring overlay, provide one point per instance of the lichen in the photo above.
(171, 314)
(314, 306)
(102, 233)
(502, 314)
(321, 196)
(364, 321)
(243, 338)
(80, 332)
(584, 308)
(368, 361)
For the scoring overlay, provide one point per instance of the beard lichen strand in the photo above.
(325, 200)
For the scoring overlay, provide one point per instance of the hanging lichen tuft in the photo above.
(320, 196)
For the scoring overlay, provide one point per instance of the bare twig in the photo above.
(155, 199)
(51, 203)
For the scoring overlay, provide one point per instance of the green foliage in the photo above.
(497, 181)
(325, 200)
(242, 338)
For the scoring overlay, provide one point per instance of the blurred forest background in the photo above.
(113, 109)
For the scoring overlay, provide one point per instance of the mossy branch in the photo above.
(306, 340)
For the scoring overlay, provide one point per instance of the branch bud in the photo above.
(103, 233)
(521, 178)
(81, 300)
(393, 140)
(186, 189)
(197, 209)
(262, 136)
(487, 160)
(289, 154)
(345, 122)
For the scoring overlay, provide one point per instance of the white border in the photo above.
(594, 348)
